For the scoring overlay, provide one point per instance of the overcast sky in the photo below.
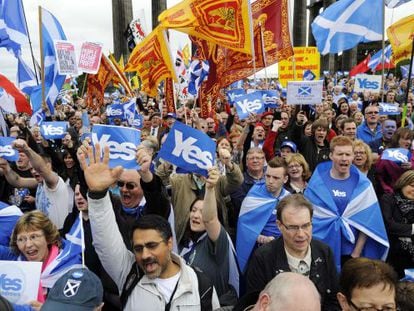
(91, 20)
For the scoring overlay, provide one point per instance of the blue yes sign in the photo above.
(189, 149)
(6, 150)
(122, 143)
(53, 130)
(250, 103)
(364, 82)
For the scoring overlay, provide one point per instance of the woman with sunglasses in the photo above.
(36, 238)
(367, 285)
(207, 245)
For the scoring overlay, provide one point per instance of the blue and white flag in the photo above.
(122, 142)
(6, 150)
(199, 70)
(51, 30)
(405, 71)
(255, 212)
(75, 234)
(409, 275)
(37, 117)
(376, 59)
(129, 109)
(249, 103)
(308, 75)
(362, 214)
(233, 94)
(138, 120)
(115, 111)
(270, 98)
(9, 214)
(395, 3)
(25, 77)
(54, 130)
(397, 155)
(189, 149)
(387, 109)
(346, 23)
(13, 30)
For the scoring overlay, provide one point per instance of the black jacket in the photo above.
(270, 259)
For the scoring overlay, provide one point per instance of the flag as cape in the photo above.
(255, 211)
(226, 23)
(9, 214)
(151, 59)
(362, 213)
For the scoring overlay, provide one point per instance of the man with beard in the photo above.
(160, 280)
(52, 197)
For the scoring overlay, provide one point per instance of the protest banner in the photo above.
(90, 57)
(19, 280)
(249, 103)
(6, 150)
(54, 130)
(364, 82)
(304, 92)
(387, 109)
(122, 143)
(397, 155)
(66, 58)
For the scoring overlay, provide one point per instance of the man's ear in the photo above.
(263, 302)
(343, 301)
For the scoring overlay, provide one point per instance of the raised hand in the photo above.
(98, 175)
(213, 177)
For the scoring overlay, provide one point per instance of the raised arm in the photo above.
(209, 210)
(13, 178)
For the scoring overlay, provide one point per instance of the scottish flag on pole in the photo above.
(346, 23)
(255, 212)
(377, 58)
(9, 214)
(199, 70)
(25, 77)
(13, 31)
(362, 214)
(51, 30)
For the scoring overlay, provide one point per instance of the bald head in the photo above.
(281, 294)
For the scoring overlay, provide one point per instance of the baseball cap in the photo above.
(290, 144)
(77, 290)
(170, 115)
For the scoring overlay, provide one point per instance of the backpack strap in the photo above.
(132, 279)
(205, 290)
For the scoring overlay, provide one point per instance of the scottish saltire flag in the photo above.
(249, 103)
(13, 31)
(308, 75)
(9, 214)
(25, 77)
(395, 3)
(362, 214)
(75, 234)
(198, 73)
(37, 117)
(405, 71)
(122, 142)
(51, 30)
(376, 59)
(129, 111)
(6, 150)
(255, 211)
(346, 23)
(189, 149)
(397, 155)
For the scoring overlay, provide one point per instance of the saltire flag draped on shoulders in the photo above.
(346, 23)
(151, 59)
(11, 98)
(225, 23)
(255, 211)
(9, 214)
(361, 67)
(51, 30)
(25, 77)
(376, 59)
(362, 214)
(400, 35)
(13, 30)
(395, 3)
(98, 82)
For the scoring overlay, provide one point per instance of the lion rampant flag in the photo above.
(401, 35)
(226, 23)
(151, 59)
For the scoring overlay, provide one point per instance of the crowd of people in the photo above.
(301, 198)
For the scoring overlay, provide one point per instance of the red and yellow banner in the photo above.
(151, 60)
(169, 95)
(226, 23)
(400, 35)
(119, 77)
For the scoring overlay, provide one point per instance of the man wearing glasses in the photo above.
(295, 251)
(370, 129)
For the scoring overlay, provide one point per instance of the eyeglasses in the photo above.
(372, 112)
(295, 229)
(33, 238)
(294, 166)
(383, 308)
(149, 246)
(255, 158)
(128, 185)
(359, 152)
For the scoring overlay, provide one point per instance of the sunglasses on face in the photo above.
(128, 185)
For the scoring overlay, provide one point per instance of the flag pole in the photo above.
(42, 61)
(252, 42)
(30, 44)
(383, 52)
(82, 239)
(264, 54)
